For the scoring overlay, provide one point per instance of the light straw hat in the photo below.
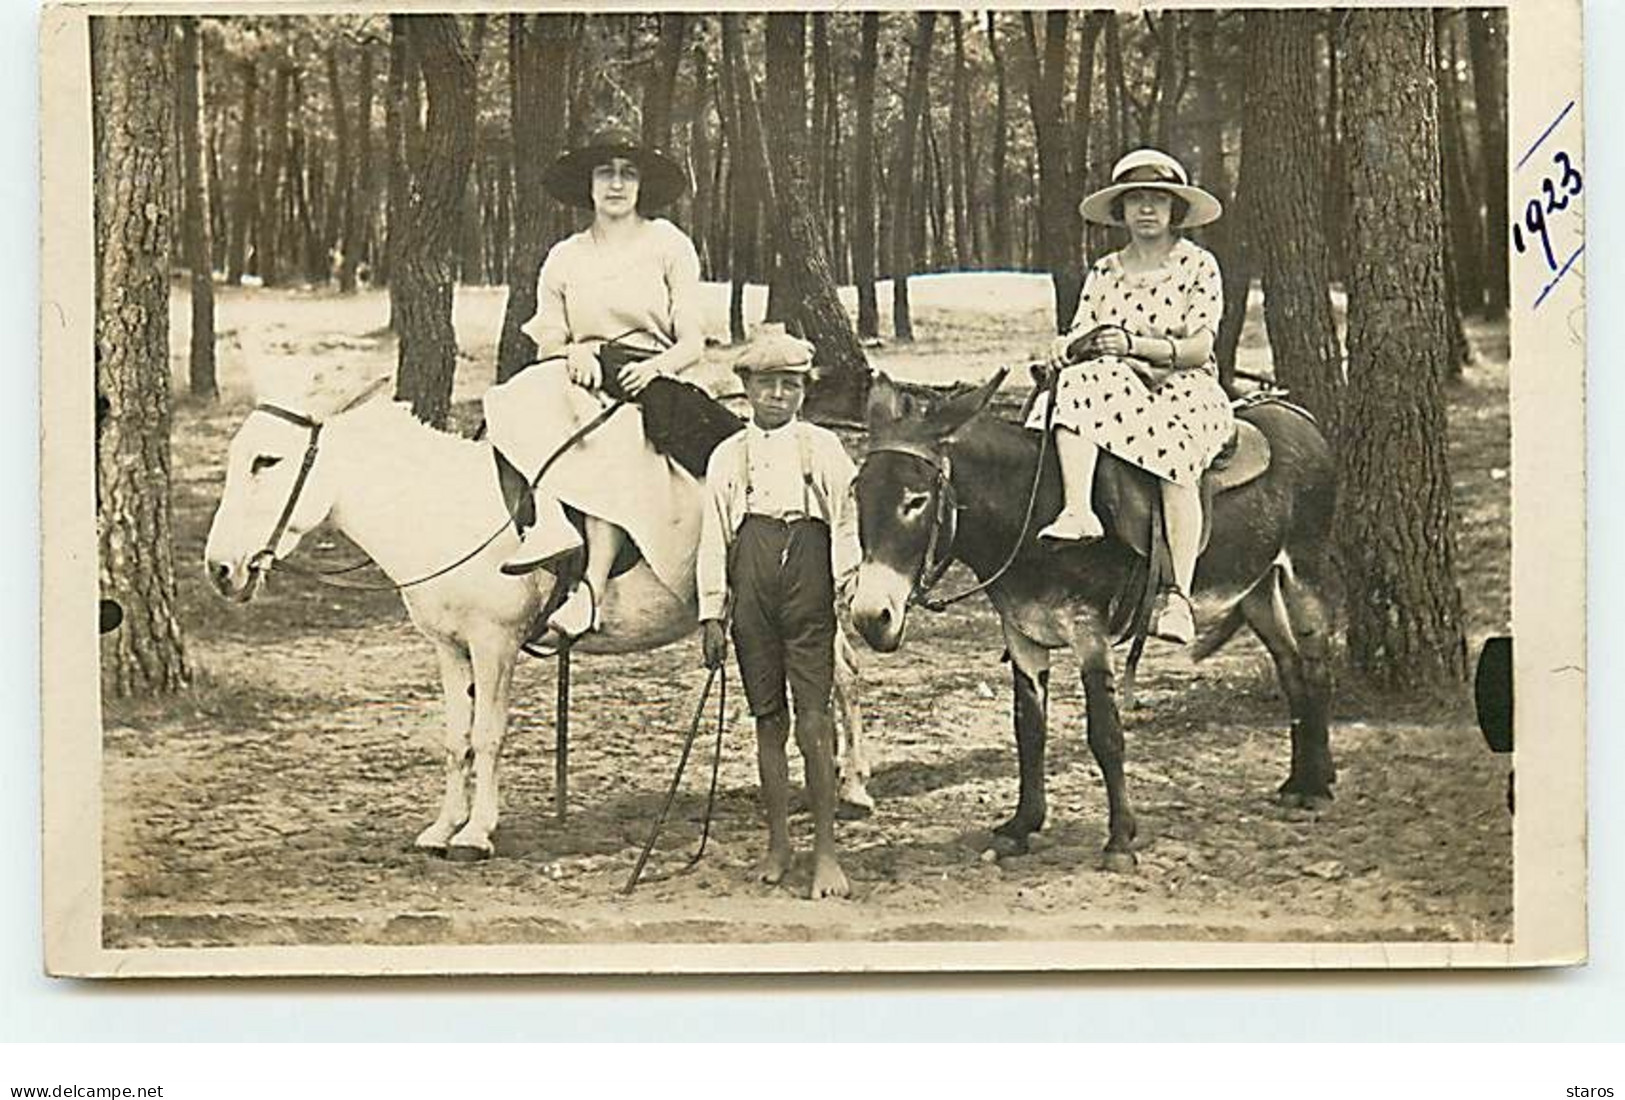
(1151, 169)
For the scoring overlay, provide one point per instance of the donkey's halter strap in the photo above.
(938, 554)
(314, 427)
(329, 577)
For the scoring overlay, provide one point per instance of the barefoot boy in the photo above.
(778, 533)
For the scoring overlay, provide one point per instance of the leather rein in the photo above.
(266, 558)
(939, 548)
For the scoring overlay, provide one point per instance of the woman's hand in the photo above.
(1113, 341)
(636, 375)
(1060, 350)
(581, 361)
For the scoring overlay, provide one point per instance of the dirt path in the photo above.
(277, 802)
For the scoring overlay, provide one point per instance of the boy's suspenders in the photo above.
(810, 489)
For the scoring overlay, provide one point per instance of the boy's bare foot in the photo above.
(774, 866)
(829, 881)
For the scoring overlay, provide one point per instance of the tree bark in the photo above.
(914, 101)
(1281, 167)
(1000, 230)
(1398, 525)
(1458, 262)
(425, 255)
(1466, 238)
(660, 80)
(786, 105)
(843, 379)
(744, 181)
(539, 48)
(336, 222)
(959, 149)
(199, 246)
(131, 76)
(359, 219)
(700, 159)
(246, 202)
(1059, 224)
(1487, 40)
(863, 167)
(273, 225)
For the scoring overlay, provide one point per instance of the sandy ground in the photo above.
(276, 801)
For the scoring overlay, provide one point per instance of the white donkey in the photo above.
(324, 444)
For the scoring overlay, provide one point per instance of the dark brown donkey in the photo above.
(948, 483)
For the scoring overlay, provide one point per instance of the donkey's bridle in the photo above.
(266, 556)
(939, 548)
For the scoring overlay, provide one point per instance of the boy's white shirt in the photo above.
(780, 489)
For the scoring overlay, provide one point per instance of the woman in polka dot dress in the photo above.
(1152, 397)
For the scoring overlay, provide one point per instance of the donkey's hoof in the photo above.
(1119, 863)
(467, 853)
(1304, 800)
(1003, 846)
(438, 851)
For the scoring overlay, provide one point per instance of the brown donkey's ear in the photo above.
(885, 405)
(956, 411)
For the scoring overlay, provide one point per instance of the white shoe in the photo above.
(1175, 623)
(1081, 525)
(542, 545)
(578, 614)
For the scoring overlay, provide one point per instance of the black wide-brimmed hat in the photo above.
(660, 179)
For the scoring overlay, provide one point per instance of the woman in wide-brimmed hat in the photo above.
(1152, 395)
(618, 316)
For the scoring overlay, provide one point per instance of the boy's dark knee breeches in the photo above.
(783, 613)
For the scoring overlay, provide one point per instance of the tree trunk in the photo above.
(336, 223)
(700, 158)
(818, 316)
(1398, 525)
(246, 203)
(273, 226)
(131, 76)
(1466, 239)
(1089, 28)
(539, 48)
(744, 181)
(1116, 100)
(1226, 237)
(1337, 184)
(863, 167)
(1487, 39)
(1059, 225)
(199, 246)
(1000, 231)
(786, 105)
(1456, 259)
(426, 251)
(1281, 167)
(959, 149)
(914, 103)
(402, 72)
(358, 209)
(1171, 76)
(660, 80)
(823, 113)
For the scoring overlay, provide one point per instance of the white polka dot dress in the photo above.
(1175, 430)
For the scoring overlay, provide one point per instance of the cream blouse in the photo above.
(587, 291)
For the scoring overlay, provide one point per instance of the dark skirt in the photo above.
(680, 420)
